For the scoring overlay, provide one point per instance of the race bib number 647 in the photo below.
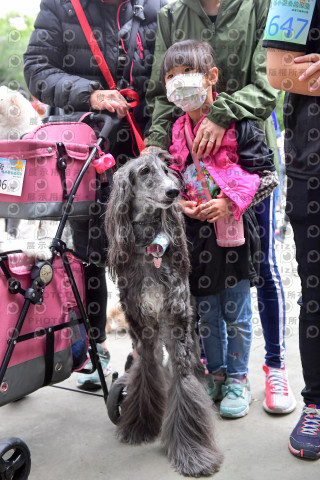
(289, 21)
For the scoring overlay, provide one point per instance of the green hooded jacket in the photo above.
(236, 37)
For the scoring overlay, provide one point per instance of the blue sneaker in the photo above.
(304, 440)
(92, 381)
(236, 398)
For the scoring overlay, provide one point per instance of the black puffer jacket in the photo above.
(60, 69)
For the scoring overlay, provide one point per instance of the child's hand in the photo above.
(215, 209)
(191, 209)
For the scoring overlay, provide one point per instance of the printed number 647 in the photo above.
(274, 26)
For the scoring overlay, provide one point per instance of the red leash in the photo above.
(127, 92)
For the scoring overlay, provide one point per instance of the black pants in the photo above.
(95, 283)
(303, 209)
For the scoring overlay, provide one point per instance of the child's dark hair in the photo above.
(192, 53)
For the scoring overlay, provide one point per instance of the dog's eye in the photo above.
(166, 171)
(144, 171)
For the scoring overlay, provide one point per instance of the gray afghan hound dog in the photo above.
(154, 294)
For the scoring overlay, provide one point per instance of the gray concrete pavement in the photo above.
(71, 437)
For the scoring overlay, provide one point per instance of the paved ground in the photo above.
(71, 437)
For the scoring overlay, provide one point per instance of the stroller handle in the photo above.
(110, 123)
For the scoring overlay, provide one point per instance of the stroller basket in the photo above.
(45, 329)
(52, 342)
(38, 172)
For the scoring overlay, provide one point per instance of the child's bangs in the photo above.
(196, 55)
(180, 55)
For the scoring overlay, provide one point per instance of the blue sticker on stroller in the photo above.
(11, 176)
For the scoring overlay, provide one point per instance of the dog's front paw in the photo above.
(202, 463)
(137, 434)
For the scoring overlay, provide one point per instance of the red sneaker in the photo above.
(279, 397)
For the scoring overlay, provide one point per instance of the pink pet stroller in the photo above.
(51, 173)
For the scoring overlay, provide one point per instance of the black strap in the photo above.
(49, 357)
(45, 331)
(255, 2)
(170, 16)
(138, 16)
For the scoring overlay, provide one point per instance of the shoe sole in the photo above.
(303, 453)
(237, 415)
(278, 410)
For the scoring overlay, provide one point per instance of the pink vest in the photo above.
(238, 185)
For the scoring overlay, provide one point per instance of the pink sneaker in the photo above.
(279, 397)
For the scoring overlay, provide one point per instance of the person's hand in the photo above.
(208, 139)
(110, 100)
(313, 58)
(214, 209)
(191, 209)
(151, 150)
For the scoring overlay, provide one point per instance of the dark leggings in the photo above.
(304, 213)
(95, 283)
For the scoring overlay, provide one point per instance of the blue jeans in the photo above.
(226, 330)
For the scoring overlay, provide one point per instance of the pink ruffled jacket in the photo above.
(235, 183)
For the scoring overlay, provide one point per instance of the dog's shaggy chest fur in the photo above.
(156, 303)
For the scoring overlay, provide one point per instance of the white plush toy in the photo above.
(17, 115)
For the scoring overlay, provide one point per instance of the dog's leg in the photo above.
(187, 430)
(143, 407)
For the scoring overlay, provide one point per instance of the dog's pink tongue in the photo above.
(157, 262)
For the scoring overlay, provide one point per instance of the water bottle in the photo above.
(229, 232)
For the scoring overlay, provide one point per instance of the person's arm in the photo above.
(255, 101)
(162, 116)
(43, 65)
(287, 37)
(256, 157)
(254, 154)
(294, 72)
(45, 73)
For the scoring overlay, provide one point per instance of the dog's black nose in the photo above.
(172, 192)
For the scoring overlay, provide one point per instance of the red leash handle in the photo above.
(95, 49)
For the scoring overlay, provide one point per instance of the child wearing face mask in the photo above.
(221, 276)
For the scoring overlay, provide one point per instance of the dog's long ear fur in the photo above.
(118, 225)
(173, 226)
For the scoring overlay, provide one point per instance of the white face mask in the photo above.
(186, 91)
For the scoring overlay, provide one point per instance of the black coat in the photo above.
(60, 69)
(215, 268)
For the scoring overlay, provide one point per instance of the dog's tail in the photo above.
(187, 431)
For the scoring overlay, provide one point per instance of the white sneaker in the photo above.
(279, 397)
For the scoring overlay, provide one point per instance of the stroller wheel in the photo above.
(116, 395)
(15, 459)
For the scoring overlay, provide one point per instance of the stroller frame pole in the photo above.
(13, 340)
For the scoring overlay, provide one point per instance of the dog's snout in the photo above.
(172, 193)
